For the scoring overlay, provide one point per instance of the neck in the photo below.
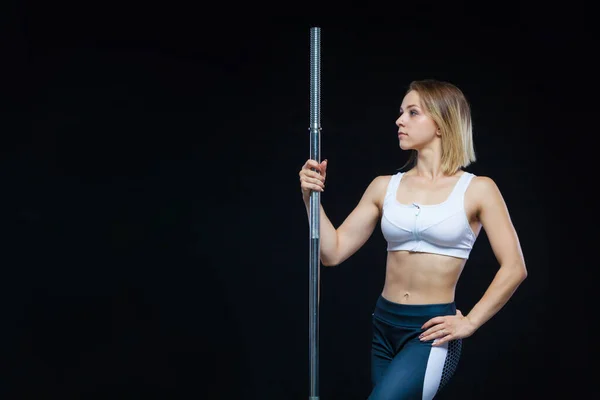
(429, 164)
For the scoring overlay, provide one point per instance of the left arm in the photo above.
(495, 219)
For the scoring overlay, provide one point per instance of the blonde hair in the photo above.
(449, 109)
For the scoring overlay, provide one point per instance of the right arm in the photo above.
(337, 245)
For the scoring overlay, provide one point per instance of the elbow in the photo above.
(330, 255)
(523, 270)
(520, 277)
(515, 271)
(523, 275)
(520, 272)
(327, 262)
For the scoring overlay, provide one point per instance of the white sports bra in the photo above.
(438, 228)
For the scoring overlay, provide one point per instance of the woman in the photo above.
(430, 216)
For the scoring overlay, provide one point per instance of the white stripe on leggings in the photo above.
(433, 373)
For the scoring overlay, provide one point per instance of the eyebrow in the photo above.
(409, 106)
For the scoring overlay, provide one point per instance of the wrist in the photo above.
(473, 322)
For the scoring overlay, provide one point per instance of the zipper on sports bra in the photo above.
(415, 230)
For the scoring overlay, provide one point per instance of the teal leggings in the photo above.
(402, 366)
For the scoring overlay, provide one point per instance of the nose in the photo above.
(399, 122)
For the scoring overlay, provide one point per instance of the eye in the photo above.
(413, 112)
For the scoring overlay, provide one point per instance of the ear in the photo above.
(438, 131)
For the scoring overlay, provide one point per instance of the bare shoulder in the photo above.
(484, 191)
(484, 185)
(377, 188)
(381, 181)
(379, 184)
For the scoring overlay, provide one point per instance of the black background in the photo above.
(154, 239)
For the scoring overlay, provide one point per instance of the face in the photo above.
(415, 128)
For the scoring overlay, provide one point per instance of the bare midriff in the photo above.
(421, 278)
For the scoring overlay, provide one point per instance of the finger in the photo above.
(316, 175)
(314, 181)
(324, 167)
(433, 333)
(314, 188)
(459, 313)
(307, 181)
(441, 341)
(427, 324)
(311, 176)
(312, 164)
(432, 322)
(308, 174)
(316, 166)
